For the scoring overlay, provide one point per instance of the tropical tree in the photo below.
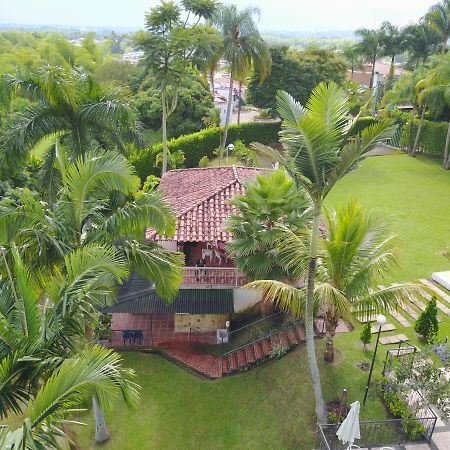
(438, 18)
(242, 47)
(64, 105)
(420, 41)
(172, 45)
(352, 54)
(269, 201)
(370, 47)
(43, 318)
(318, 152)
(393, 45)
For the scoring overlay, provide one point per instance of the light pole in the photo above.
(381, 320)
(230, 148)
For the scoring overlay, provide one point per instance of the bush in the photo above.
(278, 351)
(366, 334)
(244, 154)
(197, 145)
(362, 123)
(432, 137)
(203, 162)
(427, 324)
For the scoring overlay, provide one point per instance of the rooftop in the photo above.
(200, 198)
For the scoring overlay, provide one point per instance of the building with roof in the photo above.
(362, 76)
(211, 292)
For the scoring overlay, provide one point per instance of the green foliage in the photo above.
(203, 162)
(244, 154)
(432, 137)
(427, 324)
(197, 145)
(362, 123)
(278, 351)
(194, 103)
(366, 334)
(297, 72)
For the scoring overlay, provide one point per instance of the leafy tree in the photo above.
(268, 201)
(366, 335)
(242, 46)
(116, 72)
(427, 324)
(420, 41)
(352, 54)
(296, 71)
(65, 105)
(370, 47)
(438, 18)
(172, 45)
(393, 45)
(194, 103)
(317, 154)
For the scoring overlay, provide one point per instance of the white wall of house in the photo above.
(245, 299)
(222, 107)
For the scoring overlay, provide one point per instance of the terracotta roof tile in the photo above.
(200, 198)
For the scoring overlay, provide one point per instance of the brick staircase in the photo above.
(236, 360)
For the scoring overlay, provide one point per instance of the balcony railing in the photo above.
(212, 276)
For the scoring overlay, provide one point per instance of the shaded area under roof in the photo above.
(187, 301)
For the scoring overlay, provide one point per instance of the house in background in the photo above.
(221, 89)
(362, 76)
(210, 295)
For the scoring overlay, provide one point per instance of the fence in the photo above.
(212, 276)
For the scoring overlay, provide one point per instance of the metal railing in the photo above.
(212, 276)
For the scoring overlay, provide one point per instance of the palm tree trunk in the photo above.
(227, 119)
(411, 129)
(391, 72)
(164, 130)
(353, 69)
(101, 430)
(239, 103)
(419, 130)
(372, 76)
(331, 324)
(211, 81)
(446, 163)
(309, 318)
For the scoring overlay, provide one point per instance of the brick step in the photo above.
(266, 346)
(293, 338)
(241, 357)
(250, 354)
(257, 348)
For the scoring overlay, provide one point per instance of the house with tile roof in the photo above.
(211, 292)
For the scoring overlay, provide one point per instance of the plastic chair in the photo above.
(137, 334)
(127, 335)
(352, 447)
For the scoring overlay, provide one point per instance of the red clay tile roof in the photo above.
(200, 198)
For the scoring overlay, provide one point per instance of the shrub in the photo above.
(427, 324)
(197, 145)
(278, 351)
(366, 335)
(203, 162)
(363, 122)
(244, 154)
(432, 137)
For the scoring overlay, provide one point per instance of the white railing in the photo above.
(212, 276)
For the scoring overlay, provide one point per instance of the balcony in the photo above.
(212, 276)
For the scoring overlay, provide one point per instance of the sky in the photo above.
(279, 15)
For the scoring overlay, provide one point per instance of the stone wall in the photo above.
(204, 322)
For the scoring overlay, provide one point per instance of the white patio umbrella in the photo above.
(349, 429)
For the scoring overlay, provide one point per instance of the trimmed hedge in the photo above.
(432, 137)
(197, 145)
(363, 122)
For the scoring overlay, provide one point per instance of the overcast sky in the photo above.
(285, 15)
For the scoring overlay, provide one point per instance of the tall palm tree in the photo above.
(65, 105)
(242, 47)
(42, 320)
(438, 18)
(393, 45)
(353, 56)
(370, 46)
(357, 253)
(420, 41)
(421, 90)
(320, 147)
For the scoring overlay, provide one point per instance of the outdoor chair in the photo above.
(138, 335)
(127, 335)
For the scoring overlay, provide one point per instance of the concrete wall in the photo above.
(204, 322)
(245, 299)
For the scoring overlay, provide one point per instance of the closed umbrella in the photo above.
(349, 429)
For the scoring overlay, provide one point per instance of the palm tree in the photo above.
(89, 210)
(356, 254)
(352, 55)
(43, 317)
(438, 18)
(242, 47)
(420, 41)
(318, 152)
(92, 372)
(371, 47)
(270, 200)
(68, 106)
(421, 90)
(393, 45)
